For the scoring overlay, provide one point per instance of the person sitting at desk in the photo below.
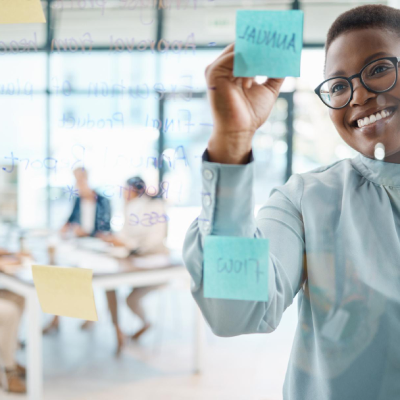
(90, 215)
(143, 233)
(11, 309)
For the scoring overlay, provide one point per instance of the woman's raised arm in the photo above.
(239, 109)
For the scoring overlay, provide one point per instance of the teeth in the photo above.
(373, 118)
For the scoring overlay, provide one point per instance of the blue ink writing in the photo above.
(70, 122)
(269, 38)
(235, 266)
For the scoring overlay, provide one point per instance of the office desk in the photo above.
(108, 273)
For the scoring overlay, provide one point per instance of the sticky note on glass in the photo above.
(268, 43)
(21, 12)
(236, 268)
(65, 291)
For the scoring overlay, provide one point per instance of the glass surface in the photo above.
(120, 109)
(319, 16)
(113, 139)
(117, 25)
(120, 76)
(270, 152)
(316, 141)
(186, 130)
(209, 23)
(22, 38)
(19, 81)
(24, 164)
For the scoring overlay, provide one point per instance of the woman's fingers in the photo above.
(239, 82)
(274, 84)
(221, 67)
(224, 59)
(247, 83)
(228, 49)
(244, 83)
(224, 63)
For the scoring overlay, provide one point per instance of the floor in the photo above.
(81, 365)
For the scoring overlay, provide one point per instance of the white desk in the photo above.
(108, 281)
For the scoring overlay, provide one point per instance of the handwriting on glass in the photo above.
(237, 266)
(147, 219)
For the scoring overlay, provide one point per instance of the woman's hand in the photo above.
(239, 107)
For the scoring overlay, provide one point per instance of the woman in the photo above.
(333, 232)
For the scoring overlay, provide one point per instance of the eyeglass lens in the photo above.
(378, 76)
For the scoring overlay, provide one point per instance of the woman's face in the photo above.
(346, 56)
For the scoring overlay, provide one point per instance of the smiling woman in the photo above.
(333, 231)
(370, 116)
(358, 123)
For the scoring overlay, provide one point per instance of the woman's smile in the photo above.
(377, 124)
(370, 118)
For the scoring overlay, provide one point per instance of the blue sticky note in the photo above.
(268, 43)
(236, 268)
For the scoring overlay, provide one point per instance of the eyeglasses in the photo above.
(377, 76)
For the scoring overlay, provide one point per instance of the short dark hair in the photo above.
(364, 17)
(137, 182)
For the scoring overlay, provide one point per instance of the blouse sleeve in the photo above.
(228, 210)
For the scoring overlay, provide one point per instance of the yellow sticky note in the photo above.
(21, 12)
(65, 291)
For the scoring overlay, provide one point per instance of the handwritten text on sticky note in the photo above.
(65, 291)
(268, 43)
(236, 268)
(21, 12)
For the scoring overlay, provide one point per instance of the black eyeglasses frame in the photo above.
(394, 60)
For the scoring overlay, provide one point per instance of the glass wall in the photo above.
(118, 87)
(316, 141)
(23, 150)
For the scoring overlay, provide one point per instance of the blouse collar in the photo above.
(380, 172)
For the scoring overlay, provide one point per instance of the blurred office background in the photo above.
(90, 88)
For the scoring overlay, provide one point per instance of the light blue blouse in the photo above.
(334, 240)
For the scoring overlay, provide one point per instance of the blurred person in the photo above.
(143, 233)
(90, 215)
(11, 309)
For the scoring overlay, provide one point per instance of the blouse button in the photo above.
(208, 174)
(206, 226)
(207, 200)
